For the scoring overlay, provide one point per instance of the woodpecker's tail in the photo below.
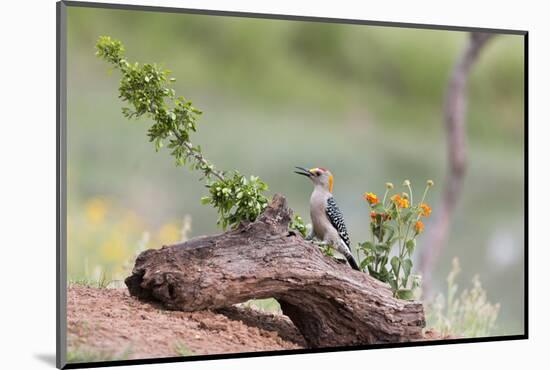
(352, 262)
(344, 249)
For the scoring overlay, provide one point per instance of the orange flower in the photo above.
(425, 210)
(400, 202)
(371, 198)
(419, 227)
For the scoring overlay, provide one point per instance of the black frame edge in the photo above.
(526, 183)
(61, 180)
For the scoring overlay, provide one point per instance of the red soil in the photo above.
(109, 324)
(116, 325)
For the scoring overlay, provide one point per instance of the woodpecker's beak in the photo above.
(303, 171)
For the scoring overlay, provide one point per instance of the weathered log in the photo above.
(331, 304)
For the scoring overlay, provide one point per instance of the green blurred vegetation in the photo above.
(182, 349)
(467, 315)
(365, 102)
(76, 355)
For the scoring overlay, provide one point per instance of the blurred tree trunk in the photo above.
(455, 124)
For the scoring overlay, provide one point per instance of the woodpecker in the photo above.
(326, 217)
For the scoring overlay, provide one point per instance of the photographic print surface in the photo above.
(242, 185)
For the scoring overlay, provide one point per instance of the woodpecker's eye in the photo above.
(317, 173)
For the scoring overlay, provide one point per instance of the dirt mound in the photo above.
(106, 324)
(109, 324)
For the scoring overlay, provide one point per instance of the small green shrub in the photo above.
(298, 224)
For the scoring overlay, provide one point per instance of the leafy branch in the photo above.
(146, 89)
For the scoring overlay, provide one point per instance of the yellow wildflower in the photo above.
(96, 210)
(371, 198)
(400, 201)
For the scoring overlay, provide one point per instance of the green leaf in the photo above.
(379, 233)
(374, 273)
(158, 144)
(405, 294)
(410, 245)
(393, 284)
(384, 273)
(205, 200)
(381, 249)
(366, 246)
(367, 261)
(407, 267)
(395, 265)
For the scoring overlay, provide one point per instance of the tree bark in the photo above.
(331, 304)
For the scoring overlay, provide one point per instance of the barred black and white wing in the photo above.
(337, 220)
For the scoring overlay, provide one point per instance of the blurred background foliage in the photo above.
(363, 101)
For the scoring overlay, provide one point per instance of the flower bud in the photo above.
(389, 185)
(430, 183)
(405, 195)
(406, 183)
